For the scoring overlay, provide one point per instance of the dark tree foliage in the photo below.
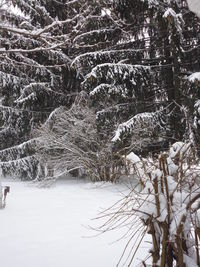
(35, 79)
(133, 58)
(170, 34)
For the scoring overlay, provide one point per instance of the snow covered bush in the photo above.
(168, 204)
(70, 141)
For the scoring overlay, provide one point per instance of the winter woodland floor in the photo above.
(49, 227)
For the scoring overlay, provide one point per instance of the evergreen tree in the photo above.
(169, 32)
(132, 59)
(35, 78)
(117, 77)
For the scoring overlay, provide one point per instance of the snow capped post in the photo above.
(194, 6)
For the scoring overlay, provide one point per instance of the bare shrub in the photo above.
(70, 141)
(167, 202)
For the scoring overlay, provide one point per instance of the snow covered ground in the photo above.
(49, 227)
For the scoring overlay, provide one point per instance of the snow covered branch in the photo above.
(71, 141)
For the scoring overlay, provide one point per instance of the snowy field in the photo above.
(49, 227)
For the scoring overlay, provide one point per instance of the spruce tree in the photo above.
(35, 78)
(132, 59)
(169, 33)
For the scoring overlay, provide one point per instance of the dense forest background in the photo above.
(84, 83)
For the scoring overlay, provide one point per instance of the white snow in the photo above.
(133, 158)
(136, 167)
(189, 262)
(177, 18)
(141, 120)
(194, 6)
(169, 12)
(1, 194)
(194, 77)
(105, 12)
(179, 148)
(48, 227)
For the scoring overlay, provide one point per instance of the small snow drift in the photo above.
(194, 6)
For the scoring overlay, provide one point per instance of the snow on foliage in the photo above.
(109, 90)
(71, 142)
(194, 77)
(54, 46)
(135, 167)
(136, 75)
(19, 161)
(25, 168)
(139, 121)
(177, 19)
(19, 151)
(40, 96)
(114, 87)
(85, 62)
(6, 79)
(197, 114)
(96, 36)
(35, 77)
(151, 3)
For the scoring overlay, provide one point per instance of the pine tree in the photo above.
(37, 74)
(171, 47)
(117, 76)
(132, 59)
(35, 78)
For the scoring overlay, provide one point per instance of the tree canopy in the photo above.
(138, 63)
